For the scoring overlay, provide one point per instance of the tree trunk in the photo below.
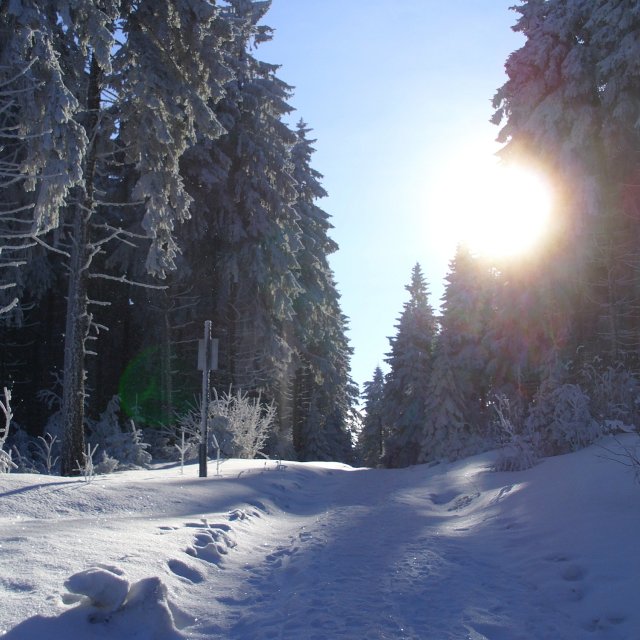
(77, 327)
(301, 406)
(77, 318)
(166, 373)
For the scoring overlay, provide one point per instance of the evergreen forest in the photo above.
(538, 355)
(150, 181)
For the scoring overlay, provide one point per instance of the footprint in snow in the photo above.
(443, 498)
(217, 525)
(241, 514)
(259, 506)
(557, 557)
(167, 529)
(211, 544)
(279, 553)
(604, 622)
(18, 585)
(573, 573)
(183, 570)
(463, 501)
(504, 491)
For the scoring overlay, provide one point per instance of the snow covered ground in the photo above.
(324, 551)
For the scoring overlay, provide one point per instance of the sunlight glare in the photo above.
(497, 211)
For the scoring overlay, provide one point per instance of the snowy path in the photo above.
(324, 552)
(379, 562)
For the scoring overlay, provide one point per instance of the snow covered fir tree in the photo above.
(543, 350)
(152, 183)
(410, 362)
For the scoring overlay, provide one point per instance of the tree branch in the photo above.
(125, 280)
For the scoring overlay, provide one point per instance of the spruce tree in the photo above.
(372, 437)
(570, 106)
(459, 385)
(322, 349)
(254, 220)
(446, 434)
(410, 361)
(243, 242)
(141, 81)
(41, 147)
(465, 321)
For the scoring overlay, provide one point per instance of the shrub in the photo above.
(561, 416)
(125, 446)
(520, 444)
(242, 424)
(614, 393)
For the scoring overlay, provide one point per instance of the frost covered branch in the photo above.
(12, 305)
(629, 457)
(50, 248)
(124, 280)
(6, 463)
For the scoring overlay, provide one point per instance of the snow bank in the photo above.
(326, 551)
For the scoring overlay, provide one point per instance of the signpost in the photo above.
(207, 361)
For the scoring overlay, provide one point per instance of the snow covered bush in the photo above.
(106, 464)
(520, 448)
(21, 451)
(33, 455)
(561, 417)
(136, 453)
(181, 440)
(187, 435)
(614, 393)
(126, 446)
(246, 421)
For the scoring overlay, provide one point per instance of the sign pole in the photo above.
(205, 359)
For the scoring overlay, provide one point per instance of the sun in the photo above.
(508, 212)
(498, 211)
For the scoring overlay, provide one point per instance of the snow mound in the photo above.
(440, 552)
(109, 607)
(105, 588)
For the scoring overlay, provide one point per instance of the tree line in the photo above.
(542, 353)
(150, 182)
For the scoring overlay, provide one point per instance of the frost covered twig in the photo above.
(629, 457)
(86, 468)
(44, 451)
(6, 463)
(182, 448)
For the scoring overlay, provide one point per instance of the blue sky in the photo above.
(398, 95)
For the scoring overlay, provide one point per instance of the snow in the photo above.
(323, 551)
